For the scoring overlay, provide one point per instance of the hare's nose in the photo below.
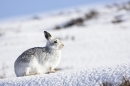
(62, 44)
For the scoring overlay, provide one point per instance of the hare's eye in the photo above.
(55, 41)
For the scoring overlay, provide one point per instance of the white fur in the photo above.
(39, 60)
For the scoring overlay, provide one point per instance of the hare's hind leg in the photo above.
(27, 70)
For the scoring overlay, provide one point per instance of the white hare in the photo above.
(39, 60)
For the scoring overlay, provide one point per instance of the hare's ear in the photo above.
(47, 35)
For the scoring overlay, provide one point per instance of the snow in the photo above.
(82, 77)
(95, 52)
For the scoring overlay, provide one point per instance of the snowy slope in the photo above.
(82, 77)
(95, 44)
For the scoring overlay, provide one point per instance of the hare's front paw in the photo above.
(37, 73)
(52, 70)
(25, 74)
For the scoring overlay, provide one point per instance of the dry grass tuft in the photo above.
(91, 15)
(116, 20)
(106, 84)
(125, 82)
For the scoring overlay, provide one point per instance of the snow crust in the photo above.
(82, 77)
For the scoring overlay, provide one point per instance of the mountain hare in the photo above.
(39, 60)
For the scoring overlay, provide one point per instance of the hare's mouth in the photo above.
(62, 45)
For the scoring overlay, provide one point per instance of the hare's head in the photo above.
(52, 42)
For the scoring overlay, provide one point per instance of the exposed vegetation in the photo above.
(120, 6)
(78, 21)
(106, 84)
(125, 82)
(117, 19)
(92, 14)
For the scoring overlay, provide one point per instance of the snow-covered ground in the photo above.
(92, 50)
(81, 77)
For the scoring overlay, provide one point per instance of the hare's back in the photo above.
(30, 53)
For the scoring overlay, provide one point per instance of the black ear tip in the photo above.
(45, 32)
(47, 35)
